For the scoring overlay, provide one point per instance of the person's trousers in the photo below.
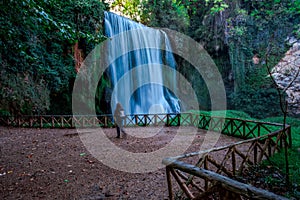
(118, 131)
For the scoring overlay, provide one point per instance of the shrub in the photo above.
(258, 103)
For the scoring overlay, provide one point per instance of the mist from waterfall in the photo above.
(137, 77)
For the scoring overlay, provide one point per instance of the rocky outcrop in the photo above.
(287, 76)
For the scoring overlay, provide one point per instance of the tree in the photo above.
(37, 39)
(294, 70)
(130, 8)
(161, 14)
(248, 35)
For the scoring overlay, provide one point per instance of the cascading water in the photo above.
(143, 88)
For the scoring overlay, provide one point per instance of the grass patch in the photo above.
(294, 123)
(228, 113)
(293, 153)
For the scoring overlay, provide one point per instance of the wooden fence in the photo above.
(218, 186)
(73, 121)
(213, 175)
(244, 129)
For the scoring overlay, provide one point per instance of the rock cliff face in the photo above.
(287, 76)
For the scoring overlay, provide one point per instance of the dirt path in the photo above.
(54, 164)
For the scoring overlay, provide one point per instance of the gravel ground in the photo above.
(55, 164)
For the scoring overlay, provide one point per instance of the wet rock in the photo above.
(286, 74)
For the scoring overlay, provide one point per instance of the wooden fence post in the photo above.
(233, 162)
(255, 154)
(136, 120)
(168, 119)
(169, 180)
(178, 118)
(41, 122)
(155, 120)
(19, 121)
(105, 121)
(244, 129)
(206, 167)
(145, 120)
(62, 121)
(52, 122)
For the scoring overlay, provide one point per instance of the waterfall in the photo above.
(137, 77)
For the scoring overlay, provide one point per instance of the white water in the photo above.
(137, 76)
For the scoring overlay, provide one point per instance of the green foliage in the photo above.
(23, 95)
(130, 8)
(217, 5)
(257, 76)
(170, 14)
(163, 14)
(257, 24)
(207, 23)
(294, 160)
(103, 95)
(258, 103)
(257, 96)
(258, 28)
(37, 39)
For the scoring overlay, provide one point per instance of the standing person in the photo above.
(119, 117)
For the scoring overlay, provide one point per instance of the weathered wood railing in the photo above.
(230, 126)
(72, 121)
(224, 164)
(220, 187)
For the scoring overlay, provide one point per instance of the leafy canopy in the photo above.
(37, 39)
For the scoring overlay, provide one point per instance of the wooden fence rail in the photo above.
(73, 121)
(244, 129)
(220, 187)
(196, 183)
